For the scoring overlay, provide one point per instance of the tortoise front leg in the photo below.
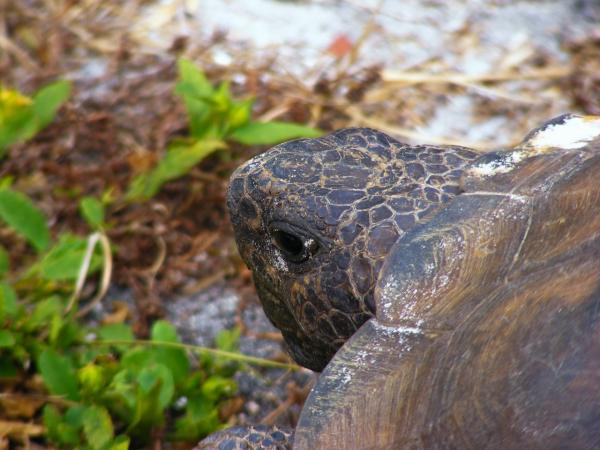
(249, 438)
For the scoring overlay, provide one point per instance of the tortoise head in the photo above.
(314, 220)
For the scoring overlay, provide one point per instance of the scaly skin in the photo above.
(314, 220)
(248, 438)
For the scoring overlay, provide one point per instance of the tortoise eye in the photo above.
(288, 243)
(296, 247)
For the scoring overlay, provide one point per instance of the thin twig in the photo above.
(412, 77)
(21, 56)
(56, 399)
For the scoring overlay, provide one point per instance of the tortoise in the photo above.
(451, 299)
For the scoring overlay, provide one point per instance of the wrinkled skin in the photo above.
(315, 218)
(249, 438)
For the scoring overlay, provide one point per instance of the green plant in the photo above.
(214, 117)
(107, 390)
(22, 117)
(102, 389)
(132, 387)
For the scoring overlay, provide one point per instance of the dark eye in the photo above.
(296, 247)
(288, 243)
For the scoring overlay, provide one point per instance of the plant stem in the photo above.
(198, 349)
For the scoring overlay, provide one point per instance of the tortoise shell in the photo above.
(475, 326)
(487, 332)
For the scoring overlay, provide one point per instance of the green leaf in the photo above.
(240, 113)
(174, 358)
(6, 339)
(69, 436)
(228, 340)
(120, 443)
(137, 357)
(92, 211)
(164, 331)
(97, 426)
(268, 133)
(222, 97)
(216, 387)
(4, 261)
(92, 378)
(58, 429)
(24, 217)
(56, 324)
(69, 332)
(117, 332)
(122, 388)
(52, 418)
(6, 181)
(196, 92)
(17, 118)
(154, 392)
(8, 301)
(58, 374)
(48, 100)
(21, 117)
(74, 415)
(198, 110)
(18, 132)
(190, 73)
(7, 367)
(64, 260)
(201, 418)
(43, 312)
(157, 374)
(146, 414)
(178, 161)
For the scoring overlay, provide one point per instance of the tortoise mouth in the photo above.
(306, 358)
(305, 349)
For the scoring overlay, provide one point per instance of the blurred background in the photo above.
(120, 122)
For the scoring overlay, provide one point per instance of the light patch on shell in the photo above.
(501, 165)
(572, 133)
(389, 291)
(359, 360)
(575, 132)
(398, 329)
(364, 358)
(345, 375)
(413, 294)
